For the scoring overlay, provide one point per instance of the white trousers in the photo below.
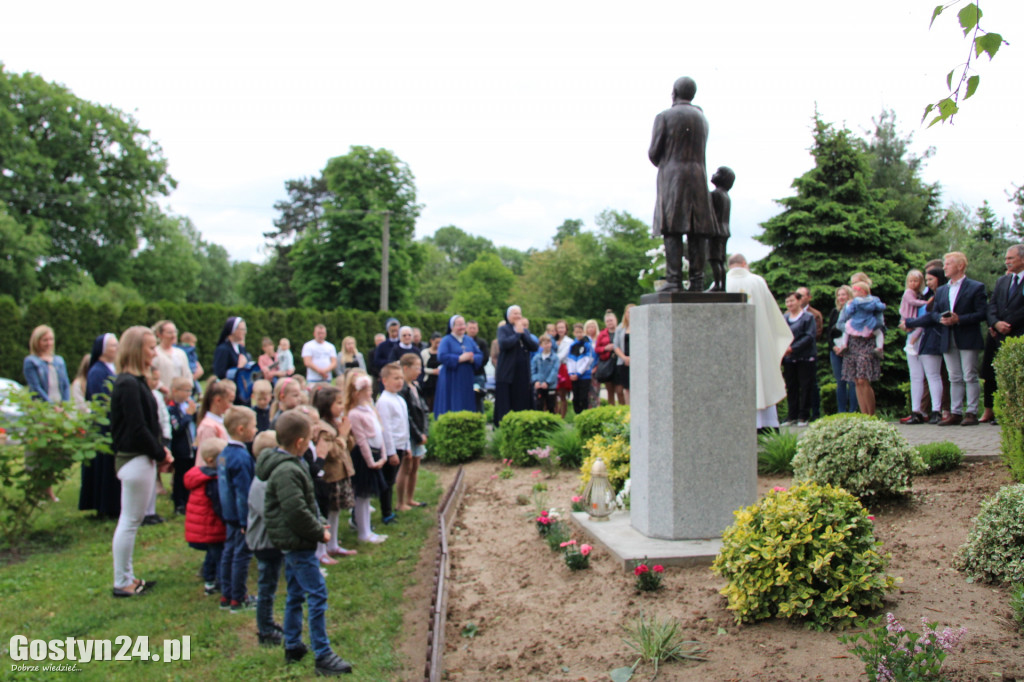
(962, 367)
(138, 480)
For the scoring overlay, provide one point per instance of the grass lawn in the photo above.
(60, 586)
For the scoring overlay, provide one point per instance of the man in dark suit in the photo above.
(1005, 318)
(960, 307)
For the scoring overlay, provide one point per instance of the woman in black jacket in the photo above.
(138, 447)
(512, 387)
(798, 362)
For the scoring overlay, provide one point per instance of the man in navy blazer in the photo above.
(960, 307)
(1005, 318)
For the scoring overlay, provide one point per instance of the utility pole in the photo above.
(385, 252)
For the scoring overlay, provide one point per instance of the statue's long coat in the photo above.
(677, 149)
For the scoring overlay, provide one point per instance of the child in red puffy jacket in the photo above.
(204, 525)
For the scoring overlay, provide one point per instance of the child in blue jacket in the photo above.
(544, 375)
(235, 471)
(579, 363)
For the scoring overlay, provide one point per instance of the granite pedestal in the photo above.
(693, 440)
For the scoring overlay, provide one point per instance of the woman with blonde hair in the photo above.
(350, 357)
(622, 351)
(590, 330)
(910, 307)
(846, 391)
(138, 446)
(46, 375)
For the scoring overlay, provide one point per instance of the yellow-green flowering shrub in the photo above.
(864, 455)
(611, 445)
(994, 551)
(807, 553)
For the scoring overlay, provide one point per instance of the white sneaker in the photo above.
(801, 423)
(375, 539)
(323, 571)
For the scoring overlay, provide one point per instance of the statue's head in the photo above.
(684, 89)
(723, 178)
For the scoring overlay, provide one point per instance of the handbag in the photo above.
(606, 369)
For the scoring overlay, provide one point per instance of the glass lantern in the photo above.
(599, 496)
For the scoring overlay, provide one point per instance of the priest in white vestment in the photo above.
(771, 334)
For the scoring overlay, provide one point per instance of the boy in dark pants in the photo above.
(294, 526)
(181, 409)
(268, 558)
(235, 468)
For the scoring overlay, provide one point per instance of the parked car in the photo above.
(8, 411)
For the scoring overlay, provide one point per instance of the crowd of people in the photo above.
(271, 458)
(942, 310)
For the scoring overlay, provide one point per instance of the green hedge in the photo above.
(526, 430)
(76, 324)
(457, 437)
(590, 422)
(1009, 366)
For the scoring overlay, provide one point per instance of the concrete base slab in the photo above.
(629, 546)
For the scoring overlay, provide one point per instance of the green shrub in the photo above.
(489, 411)
(590, 423)
(806, 553)
(829, 402)
(994, 551)
(567, 444)
(458, 437)
(495, 441)
(862, 454)
(775, 451)
(1009, 366)
(1017, 605)
(941, 456)
(49, 443)
(526, 430)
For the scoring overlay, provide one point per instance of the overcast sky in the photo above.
(514, 117)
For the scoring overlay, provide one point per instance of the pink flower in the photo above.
(567, 543)
(778, 489)
(494, 475)
(585, 549)
(640, 569)
(535, 473)
(871, 518)
(659, 569)
(577, 498)
(544, 512)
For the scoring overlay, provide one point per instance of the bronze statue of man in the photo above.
(684, 204)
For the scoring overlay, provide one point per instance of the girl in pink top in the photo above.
(368, 458)
(218, 397)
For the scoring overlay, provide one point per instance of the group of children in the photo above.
(272, 481)
(580, 358)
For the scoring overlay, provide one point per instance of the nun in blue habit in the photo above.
(460, 357)
(101, 489)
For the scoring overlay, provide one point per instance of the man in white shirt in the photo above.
(319, 356)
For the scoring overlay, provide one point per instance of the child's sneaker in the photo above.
(295, 655)
(332, 664)
(272, 638)
(244, 605)
(210, 588)
(224, 604)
